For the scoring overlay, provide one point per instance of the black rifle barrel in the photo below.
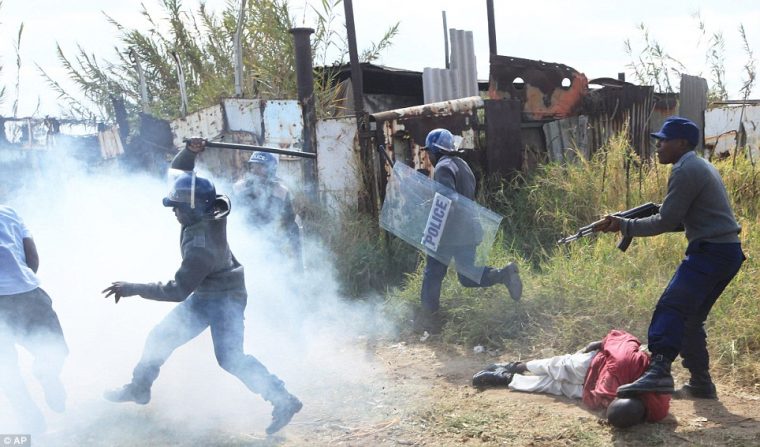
(250, 147)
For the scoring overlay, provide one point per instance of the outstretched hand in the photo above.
(610, 224)
(119, 289)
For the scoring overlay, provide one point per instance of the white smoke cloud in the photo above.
(108, 225)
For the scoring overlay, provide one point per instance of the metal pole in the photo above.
(445, 39)
(305, 84)
(368, 201)
(357, 81)
(239, 52)
(491, 29)
(250, 147)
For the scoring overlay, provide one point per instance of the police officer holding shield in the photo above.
(460, 238)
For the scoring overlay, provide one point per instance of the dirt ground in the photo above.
(418, 394)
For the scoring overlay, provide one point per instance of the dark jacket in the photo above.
(208, 265)
(462, 226)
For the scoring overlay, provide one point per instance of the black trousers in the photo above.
(28, 319)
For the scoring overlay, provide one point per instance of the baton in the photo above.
(250, 147)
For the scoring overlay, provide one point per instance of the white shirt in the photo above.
(15, 275)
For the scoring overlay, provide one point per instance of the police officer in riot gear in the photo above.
(210, 288)
(270, 202)
(461, 237)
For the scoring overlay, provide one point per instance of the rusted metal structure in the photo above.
(547, 90)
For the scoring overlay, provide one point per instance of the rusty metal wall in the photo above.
(618, 107)
(403, 131)
(693, 102)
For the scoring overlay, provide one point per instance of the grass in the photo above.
(576, 293)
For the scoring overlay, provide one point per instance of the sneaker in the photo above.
(283, 412)
(510, 277)
(55, 394)
(486, 378)
(129, 393)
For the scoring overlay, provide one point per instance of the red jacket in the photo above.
(619, 362)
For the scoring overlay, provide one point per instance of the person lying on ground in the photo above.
(592, 374)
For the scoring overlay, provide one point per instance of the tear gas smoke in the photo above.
(92, 228)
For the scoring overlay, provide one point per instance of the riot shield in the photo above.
(438, 221)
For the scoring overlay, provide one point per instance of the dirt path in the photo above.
(418, 394)
(426, 400)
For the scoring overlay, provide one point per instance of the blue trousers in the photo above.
(223, 314)
(435, 271)
(677, 325)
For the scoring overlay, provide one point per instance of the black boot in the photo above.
(656, 379)
(129, 393)
(429, 321)
(284, 409)
(492, 377)
(699, 386)
(510, 277)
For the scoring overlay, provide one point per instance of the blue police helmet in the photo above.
(191, 191)
(269, 160)
(438, 141)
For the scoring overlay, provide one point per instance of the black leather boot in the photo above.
(699, 386)
(656, 379)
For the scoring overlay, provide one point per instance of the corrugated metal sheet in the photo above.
(110, 142)
(461, 80)
(566, 138)
(617, 107)
(693, 101)
(722, 126)
(463, 63)
(438, 84)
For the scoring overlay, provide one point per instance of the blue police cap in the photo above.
(676, 127)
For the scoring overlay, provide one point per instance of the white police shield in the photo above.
(438, 221)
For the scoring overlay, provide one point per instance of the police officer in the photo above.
(270, 202)
(210, 288)
(461, 237)
(697, 199)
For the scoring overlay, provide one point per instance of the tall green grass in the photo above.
(577, 293)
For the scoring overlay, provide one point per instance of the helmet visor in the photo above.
(181, 189)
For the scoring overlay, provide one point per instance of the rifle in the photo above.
(645, 210)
